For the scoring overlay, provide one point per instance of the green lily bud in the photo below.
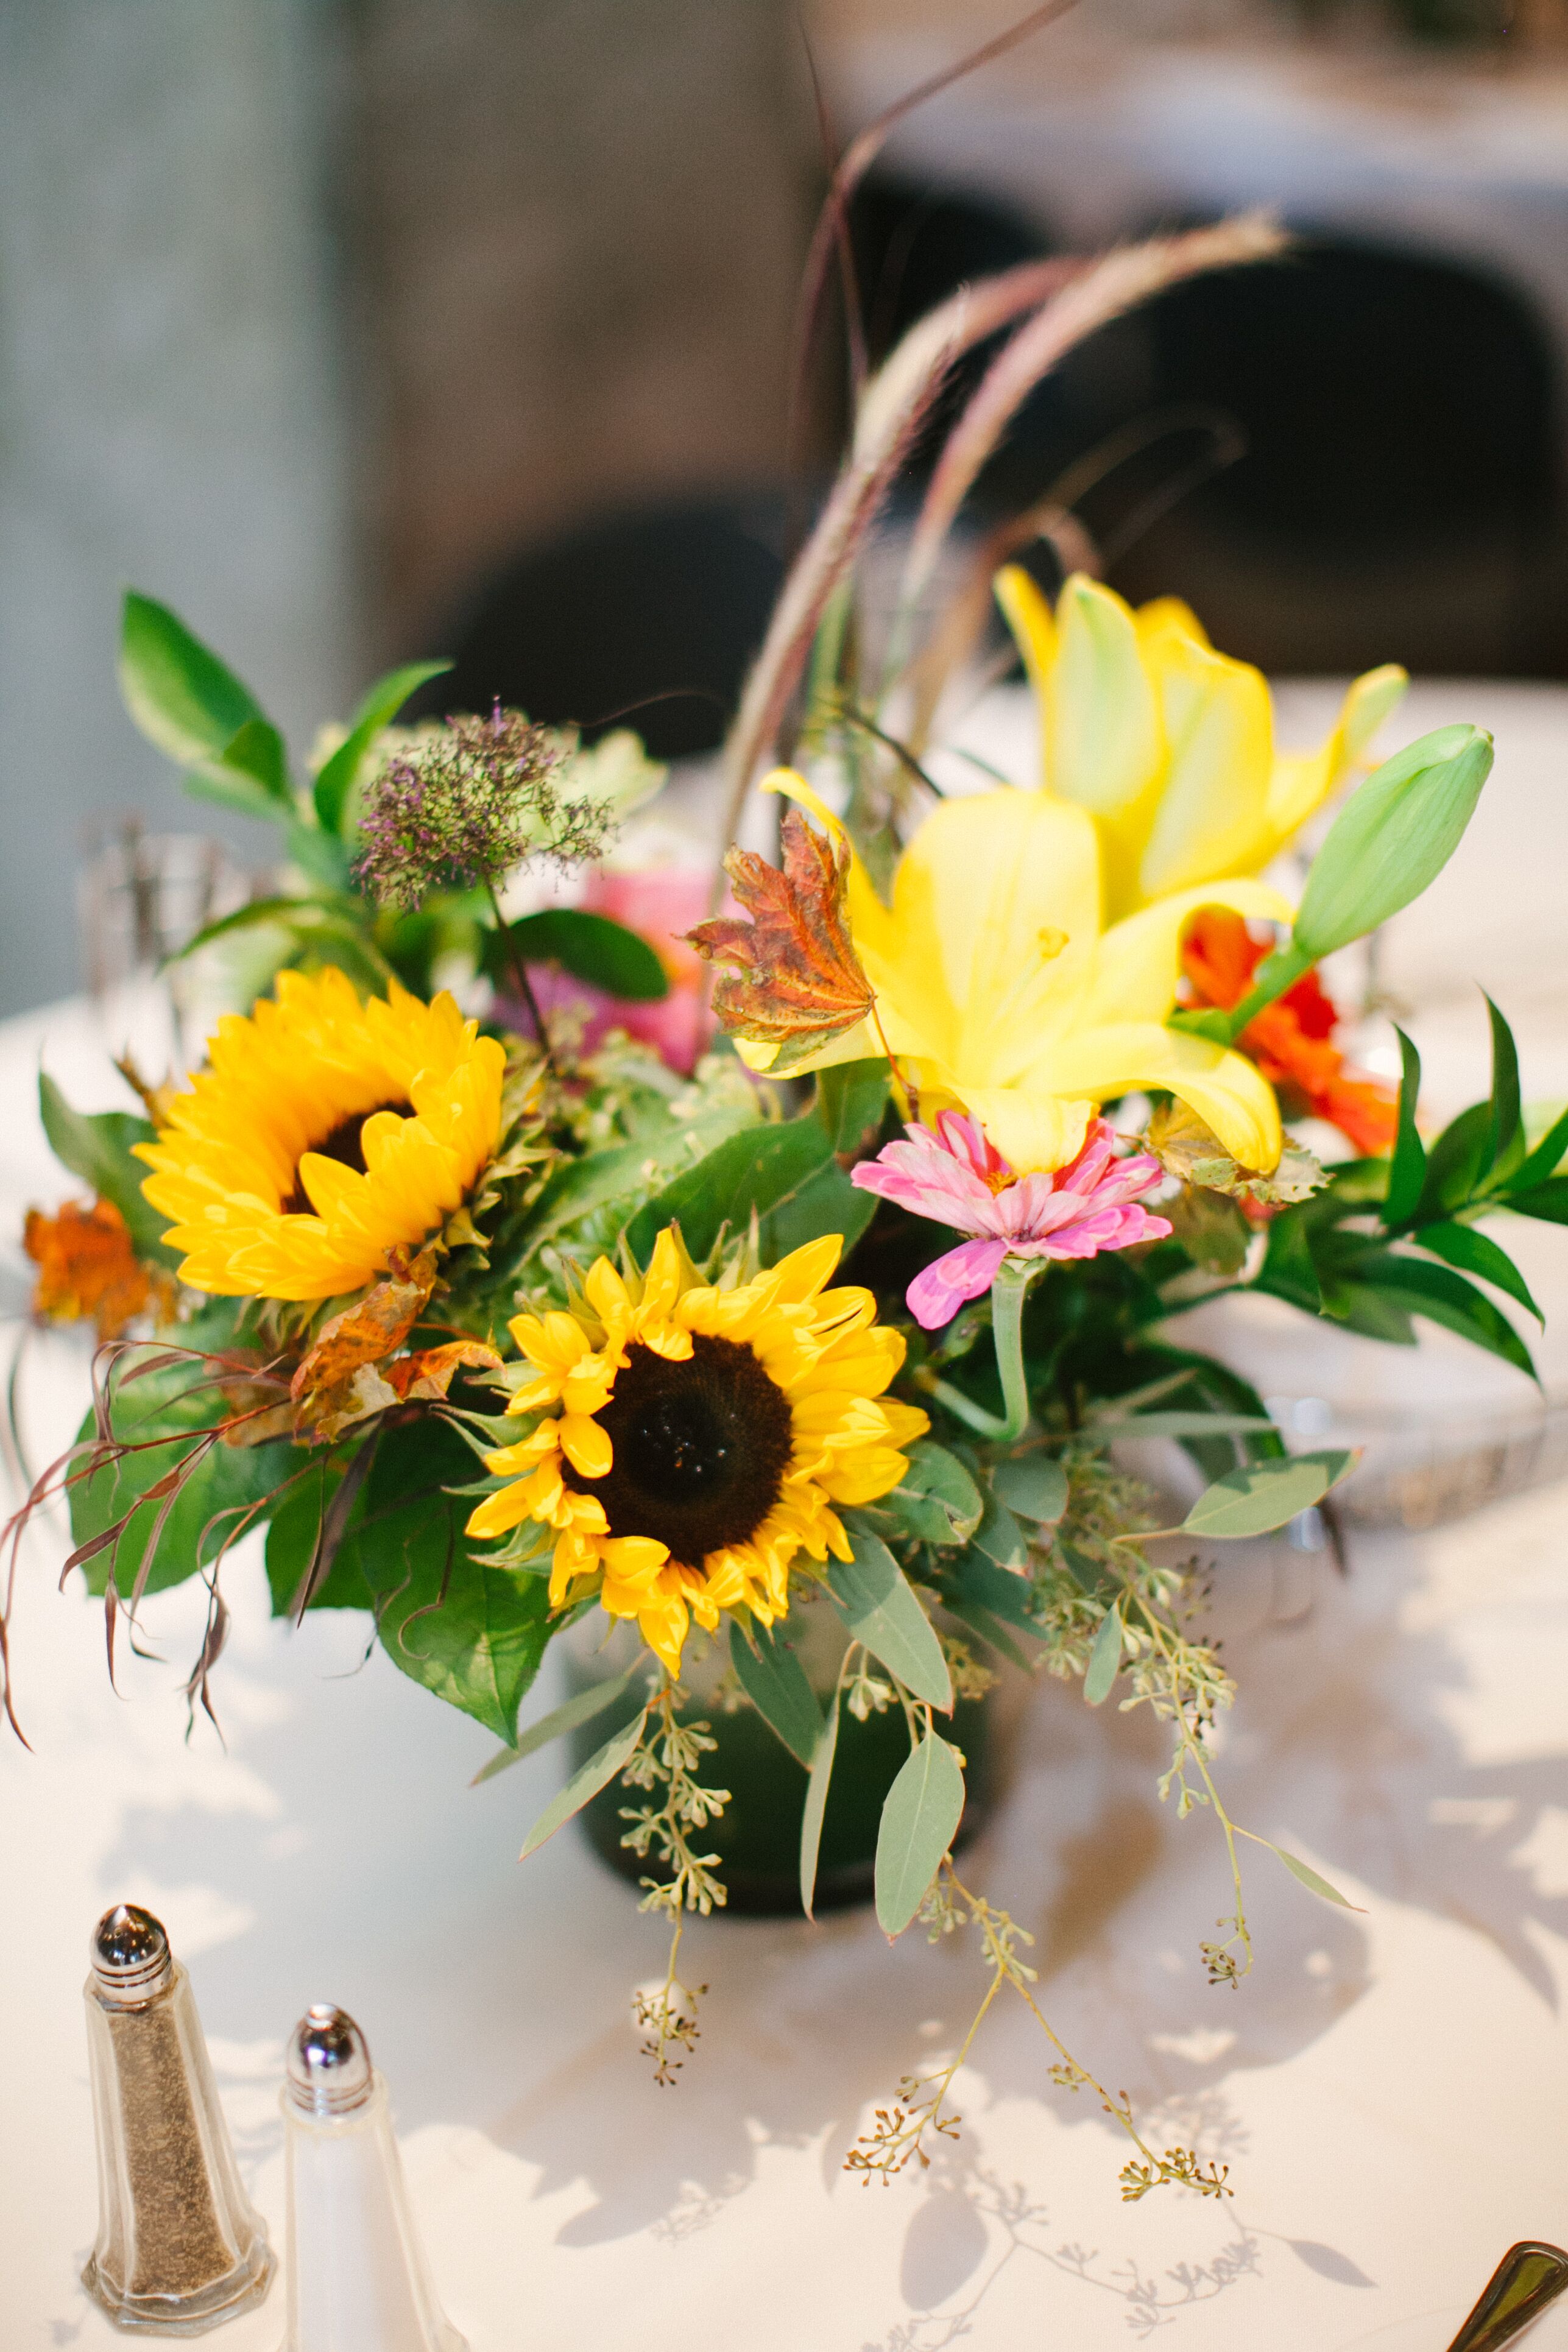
(1392, 838)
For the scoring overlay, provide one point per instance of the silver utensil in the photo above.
(1528, 2277)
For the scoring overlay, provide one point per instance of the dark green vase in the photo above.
(757, 1836)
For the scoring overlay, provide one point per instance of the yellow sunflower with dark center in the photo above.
(694, 1438)
(324, 1134)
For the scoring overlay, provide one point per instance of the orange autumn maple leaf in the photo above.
(796, 980)
(89, 1270)
(1291, 1040)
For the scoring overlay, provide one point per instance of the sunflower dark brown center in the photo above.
(700, 1448)
(342, 1144)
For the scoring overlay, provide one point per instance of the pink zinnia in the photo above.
(960, 1178)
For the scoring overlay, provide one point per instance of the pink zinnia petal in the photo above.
(935, 1297)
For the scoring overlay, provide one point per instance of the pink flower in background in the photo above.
(959, 1178)
(661, 902)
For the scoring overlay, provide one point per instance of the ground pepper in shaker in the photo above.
(179, 2247)
(358, 2280)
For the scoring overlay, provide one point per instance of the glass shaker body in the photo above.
(179, 2247)
(358, 2281)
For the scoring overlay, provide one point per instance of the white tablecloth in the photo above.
(1389, 2086)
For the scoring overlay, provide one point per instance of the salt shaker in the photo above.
(358, 2280)
(179, 2247)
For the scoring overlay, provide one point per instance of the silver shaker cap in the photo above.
(130, 1955)
(329, 2071)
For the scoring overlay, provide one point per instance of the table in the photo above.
(1389, 2086)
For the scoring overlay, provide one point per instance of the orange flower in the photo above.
(1291, 1040)
(88, 1268)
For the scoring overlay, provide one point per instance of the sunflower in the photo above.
(324, 1134)
(695, 1438)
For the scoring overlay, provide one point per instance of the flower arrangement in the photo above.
(496, 1333)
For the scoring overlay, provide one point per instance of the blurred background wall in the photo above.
(363, 329)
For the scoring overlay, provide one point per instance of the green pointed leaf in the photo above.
(586, 1782)
(877, 1606)
(590, 947)
(1475, 1253)
(921, 1814)
(339, 771)
(257, 753)
(815, 1806)
(1505, 1140)
(1542, 1161)
(97, 1147)
(579, 1709)
(1549, 1200)
(1263, 1495)
(851, 1100)
(180, 696)
(1449, 1299)
(1392, 838)
(782, 1169)
(1033, 1488)
(776, 1682)
(1104, 1659)
(1407, 1171)
(1309, 1878)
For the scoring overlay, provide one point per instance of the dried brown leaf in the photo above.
(428, 1374)
(795, 980)
(368, 1331)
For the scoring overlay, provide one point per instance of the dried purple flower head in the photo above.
(467, 803)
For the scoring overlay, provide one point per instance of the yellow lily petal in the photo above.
(1031, 1131)
(1225, 1088)
(1303, 780)
(1214, 803)
(1139, 960)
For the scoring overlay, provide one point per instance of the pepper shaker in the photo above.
(179, 2247)
(358, 2281)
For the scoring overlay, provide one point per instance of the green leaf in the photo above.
(1104, 1659)
(1032, 1489)
(935, 1502)
(581, 1708)
(1549, 1200)
(921, 1814)
(95, 1146)
(1542, 1161)
(816, 1805)
(1505, 1139)
(586, 1782)
(590, 947)
(851, 1101)
(784, 1170)
(1262, 1495)
(1475, 1253)
(165, 1411)
(291, 1544)
(257, 753)
(339, 773)
(1392, 838)
(1407, 1171)
(776, 1682)
(1449, 1299)
(1309, 1878)
(1456, 1163)
(990, 1629)
(995, 1589)
(180, 695)
(876, 1603)
(999, 1537)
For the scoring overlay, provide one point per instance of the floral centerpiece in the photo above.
(498, 1324)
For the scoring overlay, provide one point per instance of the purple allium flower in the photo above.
(958, 1176)
(467, 803)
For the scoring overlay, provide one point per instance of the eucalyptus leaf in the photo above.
(1000, 1537)
(872, 1597)
(936, 1501)
(1263, 1495)
(1032, 1489)
(1105, 1658)
(921, 1814)
(586, 1783)
(1309, 1878)
(776, 1682)
(815, 1806)
(579, 1709)
(996, 1590)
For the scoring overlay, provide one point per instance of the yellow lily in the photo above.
(998, 991)
(1168, 744)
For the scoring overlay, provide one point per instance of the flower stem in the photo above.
(1006, 1428)
(519, 971)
